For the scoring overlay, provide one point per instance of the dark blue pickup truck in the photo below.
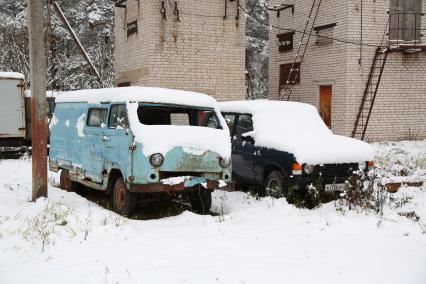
(279, 145)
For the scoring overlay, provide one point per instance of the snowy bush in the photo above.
(363, 193)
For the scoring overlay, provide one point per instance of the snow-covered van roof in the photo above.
(297, 128)
(140, 94)
(12, 75)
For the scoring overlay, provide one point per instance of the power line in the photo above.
(287, 29)
(312, 34)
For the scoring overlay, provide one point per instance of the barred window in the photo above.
(324, 34)
(405, 20)
(285, 42)
(132, 28)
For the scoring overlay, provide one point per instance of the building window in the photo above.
(405, 20)
(285, 72)
(324, 34)
(285, 42)
(124, 84)
(132, 28)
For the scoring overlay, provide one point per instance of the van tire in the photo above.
(275, 180)
(123, 201)
(201, 201)
(66, 183)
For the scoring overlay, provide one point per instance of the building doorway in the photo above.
(325, 104)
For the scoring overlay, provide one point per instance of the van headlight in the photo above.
(224, 163)
(156, 160)
(362, 166)
(309, 169)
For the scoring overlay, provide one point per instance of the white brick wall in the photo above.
(199, 53)
(400, 108)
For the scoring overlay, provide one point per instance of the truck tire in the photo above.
(275, 186)
(201, 201)
(123, 201)
(66, 183)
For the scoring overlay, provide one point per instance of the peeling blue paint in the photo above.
(101, 149)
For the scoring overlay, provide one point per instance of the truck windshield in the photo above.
(177, 115)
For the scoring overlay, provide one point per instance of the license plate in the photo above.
(335, 187)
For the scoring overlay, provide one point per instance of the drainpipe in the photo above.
(361, 35)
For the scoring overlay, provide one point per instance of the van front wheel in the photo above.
(123, 201)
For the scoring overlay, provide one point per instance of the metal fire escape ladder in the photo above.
(301, 51)
(370, 93)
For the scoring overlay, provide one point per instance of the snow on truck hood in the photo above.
(297, 128)
(193, 140)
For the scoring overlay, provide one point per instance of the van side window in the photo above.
(118, 117)
(97, 117)
(244, 125)
(230, 120)
(213, 121)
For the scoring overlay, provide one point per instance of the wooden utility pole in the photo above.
(38, 100)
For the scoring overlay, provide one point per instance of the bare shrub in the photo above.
(43, 225)
(363, 193)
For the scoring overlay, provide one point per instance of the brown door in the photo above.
(325, 104)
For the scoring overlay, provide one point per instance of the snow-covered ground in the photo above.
(68, 239)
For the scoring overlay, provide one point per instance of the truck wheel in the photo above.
(66, 183)
(274, 185)
(123, 201)
(201, 201)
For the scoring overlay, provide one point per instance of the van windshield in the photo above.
(156, 114)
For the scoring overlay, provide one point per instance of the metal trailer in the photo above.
(15, 111)
(50, 98)
(12, 110)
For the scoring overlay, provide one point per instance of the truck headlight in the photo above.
(224, 163)
(309, 169)
(156, 160)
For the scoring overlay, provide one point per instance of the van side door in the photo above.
(93, 160)
(242, 151)
(117, 140)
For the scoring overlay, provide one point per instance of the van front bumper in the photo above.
(180, 187)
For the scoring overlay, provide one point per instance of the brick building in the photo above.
(334, 75)
(185, 44)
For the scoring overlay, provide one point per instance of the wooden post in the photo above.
(38, 98)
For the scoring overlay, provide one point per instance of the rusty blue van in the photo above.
(139, 144)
